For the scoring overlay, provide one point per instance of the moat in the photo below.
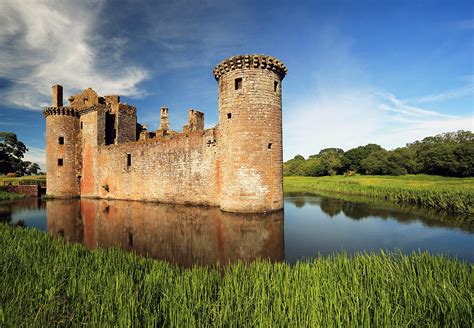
(188, 235)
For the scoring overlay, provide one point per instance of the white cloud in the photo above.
(345, 110)
(36, 155)
(349, 118)
(48, 42)
(445, 95)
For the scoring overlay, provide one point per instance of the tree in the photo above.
(331, 159)
(293, 166)
(12, 151)
(352, 158)
(384, 162)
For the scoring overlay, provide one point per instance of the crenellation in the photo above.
(236, 165)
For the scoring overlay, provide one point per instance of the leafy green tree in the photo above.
(12, 151)
(293, 166)
(352, 158)
(313, 167)
(331, 159)
(384, 162)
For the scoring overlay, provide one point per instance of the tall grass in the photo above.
(4, 195)
(45, 282)
(449, 194)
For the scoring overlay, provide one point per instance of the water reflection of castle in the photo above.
(179, 234)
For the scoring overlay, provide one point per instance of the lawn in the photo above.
(30, 179)
(46, 282)
(444, 193)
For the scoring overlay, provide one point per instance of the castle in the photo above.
(96, 149)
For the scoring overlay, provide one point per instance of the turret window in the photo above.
(238, 84)
(81, 125)
(129, 160)
(270, 145)
(229, 115)
(61, 140)
(275, 86)
(60, 162)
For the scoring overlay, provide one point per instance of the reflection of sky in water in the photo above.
(309, 230)
(314, 224)
(31, 218)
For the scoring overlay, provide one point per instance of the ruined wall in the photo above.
(180, 169)
(28, 190)
(250, 133)
(238, 165)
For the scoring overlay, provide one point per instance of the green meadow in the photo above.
(47, 282)
(443, 193)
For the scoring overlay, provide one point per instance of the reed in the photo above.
(4, 195)
(443, 193)
(46, 282)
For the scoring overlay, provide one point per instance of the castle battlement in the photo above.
(95, 147)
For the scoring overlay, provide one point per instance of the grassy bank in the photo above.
(31, 179)
(449, 194)
(46, 282)
(10, 195)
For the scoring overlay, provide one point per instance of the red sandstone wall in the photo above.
(29, 190)
(182, 169)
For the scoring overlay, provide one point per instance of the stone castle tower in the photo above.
(95, 148)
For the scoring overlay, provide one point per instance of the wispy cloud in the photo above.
(36, 155)
(47, 42)
(345, 110)
(444, 95)
(467, 24)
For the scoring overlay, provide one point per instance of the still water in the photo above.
(185, 235)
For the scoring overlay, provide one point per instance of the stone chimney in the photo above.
(57, 96)
(164, 122)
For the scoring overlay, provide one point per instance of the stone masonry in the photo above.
(95, 148)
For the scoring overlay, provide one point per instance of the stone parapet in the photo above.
(250, 61)
(68, 111)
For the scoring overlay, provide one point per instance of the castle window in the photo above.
(238, 83)
(129, 160)
(275, 86)
(60, 162)
(81, 125)
(229, 115)
(61, 140)
(270, 145)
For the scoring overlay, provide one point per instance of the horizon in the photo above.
(358, 73)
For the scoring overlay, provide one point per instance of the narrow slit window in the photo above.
(81, 125)
(238, 83)
(275, 86)
(60, 162)
(61, 140)
(129, 160)
(229, 115)
(270, 145)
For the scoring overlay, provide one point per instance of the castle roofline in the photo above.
(250, 61)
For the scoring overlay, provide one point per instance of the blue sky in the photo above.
(386, 72)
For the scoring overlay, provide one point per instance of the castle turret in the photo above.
(250, 132)
(62, 128)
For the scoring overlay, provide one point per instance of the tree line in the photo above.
(12, 152)
(446, 154)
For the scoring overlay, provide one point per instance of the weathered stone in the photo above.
(236, 165)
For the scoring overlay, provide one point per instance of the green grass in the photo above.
(45, 282)
(449, 194)
(4, 180)
(4, 195)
